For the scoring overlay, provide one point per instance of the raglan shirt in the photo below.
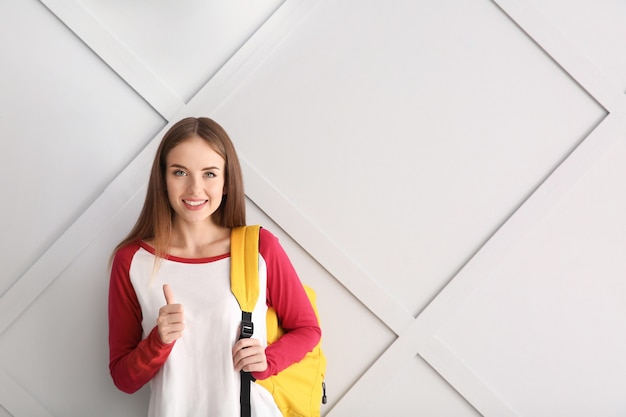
(195, 376)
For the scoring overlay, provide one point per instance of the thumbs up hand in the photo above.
(170, 322)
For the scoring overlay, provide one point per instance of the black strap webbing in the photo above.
(246, 331)
(244, 397)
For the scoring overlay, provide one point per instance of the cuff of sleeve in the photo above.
(155, 342)
(261, 375)
(269, 371)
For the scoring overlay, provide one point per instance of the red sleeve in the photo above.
(132, 361)
(287, 296)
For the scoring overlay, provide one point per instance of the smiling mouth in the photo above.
(194, 203)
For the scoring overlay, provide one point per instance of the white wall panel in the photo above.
(385, 135)
(597, 30)
(395, 148)
(404, 394)
(184, 43)
(317, 128)
(68, 126)
(551, 311)
(537, 319)
(55, 350)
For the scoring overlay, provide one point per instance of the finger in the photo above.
(172, 314)
(245, 348)
(170, 331)
(168, 293)
(245, 343)
(250, 360)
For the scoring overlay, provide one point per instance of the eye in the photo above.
(210, 175)
(179, 173)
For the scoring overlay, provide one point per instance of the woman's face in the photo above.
(194, 176)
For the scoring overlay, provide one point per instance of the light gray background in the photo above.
(447, 175)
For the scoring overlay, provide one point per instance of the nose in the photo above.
(193, 184)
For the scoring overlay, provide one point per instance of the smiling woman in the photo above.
(173, 320)
(194, 181)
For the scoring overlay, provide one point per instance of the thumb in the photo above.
(168, 293)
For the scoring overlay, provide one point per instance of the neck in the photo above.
(199, 240)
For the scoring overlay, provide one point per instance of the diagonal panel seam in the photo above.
(131, 180)
(324, 250)
(122, 187)
(561, 50)
(444, 306)
(417, 338)
(217, 91)
(117, 56)
(17, 401)
(59, 256)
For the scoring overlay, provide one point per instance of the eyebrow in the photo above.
(184, 167)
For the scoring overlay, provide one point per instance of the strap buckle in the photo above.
(247, 329)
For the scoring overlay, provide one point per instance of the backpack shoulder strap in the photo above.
(244, 284)
(244, 266)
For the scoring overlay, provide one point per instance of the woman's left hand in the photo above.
(249, 356)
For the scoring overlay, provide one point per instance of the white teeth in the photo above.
(194, 203)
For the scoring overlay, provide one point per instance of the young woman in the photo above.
(173, 321)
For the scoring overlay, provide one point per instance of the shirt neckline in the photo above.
(180, 259)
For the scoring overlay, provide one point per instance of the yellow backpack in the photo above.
(299, 390)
